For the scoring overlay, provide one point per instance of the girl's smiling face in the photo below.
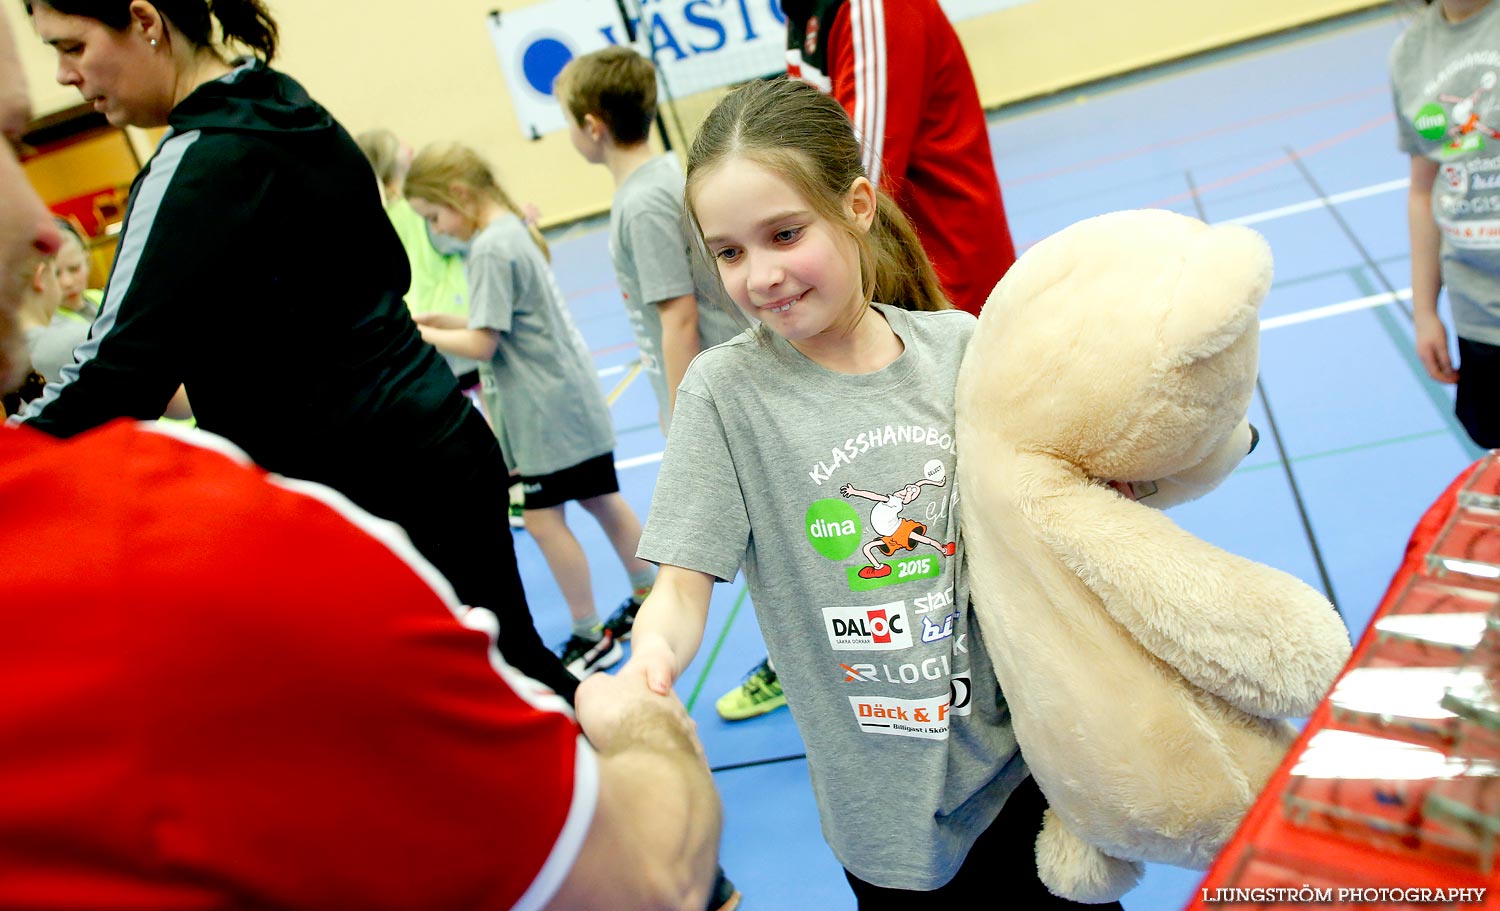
(781, 261)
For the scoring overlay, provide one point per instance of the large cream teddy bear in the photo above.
(1146, 670)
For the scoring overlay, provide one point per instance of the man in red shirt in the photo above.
(899, 70)
(233, 690)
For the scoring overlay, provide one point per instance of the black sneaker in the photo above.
(584, 656)
(623, 619)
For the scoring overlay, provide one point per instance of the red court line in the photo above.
(591, 290)
(1275, 163)
(1194, 137)
(611, 349)
(1244, 175)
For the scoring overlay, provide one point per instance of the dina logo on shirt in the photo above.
(874, 629)
(833, 528)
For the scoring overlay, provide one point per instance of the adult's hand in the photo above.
(607, 705)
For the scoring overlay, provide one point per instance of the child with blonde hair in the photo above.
(79, 301)
(847, 386)
(437, 278)
(554, 425)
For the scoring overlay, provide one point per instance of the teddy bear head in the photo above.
(1127, 346)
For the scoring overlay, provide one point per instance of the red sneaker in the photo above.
(875, 572)
(949, 549)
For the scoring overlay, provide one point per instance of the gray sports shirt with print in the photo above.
(1444, 81)
(654, 262)
(552, 411)
(837, 495)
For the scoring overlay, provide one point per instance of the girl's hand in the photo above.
(1432, 348)
(607, 704)
(441, 320)
(651, 659)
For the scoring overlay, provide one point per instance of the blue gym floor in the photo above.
(1292, 135)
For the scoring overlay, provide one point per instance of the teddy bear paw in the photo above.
(1074, 869)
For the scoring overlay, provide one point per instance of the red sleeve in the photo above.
(879, 83)
(245, 692)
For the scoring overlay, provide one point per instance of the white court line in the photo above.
(638, 461)
(1254, 218)
(613, 371)
(1275, 322)
(1316, 313)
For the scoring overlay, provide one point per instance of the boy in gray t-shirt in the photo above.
(674, 301)
(1444, 72)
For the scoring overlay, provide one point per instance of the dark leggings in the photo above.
(1002, 864)
(453, 505)
(1478, 405)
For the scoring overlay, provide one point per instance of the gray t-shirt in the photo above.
(51, 347)
(837, 495)
(655, 261)
(1444, 83)
(552, 411)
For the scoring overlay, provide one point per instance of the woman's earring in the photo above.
(153, 42)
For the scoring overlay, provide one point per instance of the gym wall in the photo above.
(428, 71)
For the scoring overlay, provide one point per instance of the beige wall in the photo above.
(1048, 45)
(429, 71)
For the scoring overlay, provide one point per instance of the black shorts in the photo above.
(1478, 406)
(592, 478)
(468, 382)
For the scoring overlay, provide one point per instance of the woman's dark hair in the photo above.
(244, 22)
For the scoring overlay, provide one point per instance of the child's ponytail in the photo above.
(904, 276)
(536, 235)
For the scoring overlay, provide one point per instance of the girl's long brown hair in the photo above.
(794, 130)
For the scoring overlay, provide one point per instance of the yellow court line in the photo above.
(635, 371)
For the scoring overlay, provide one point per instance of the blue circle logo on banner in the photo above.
(542, 60)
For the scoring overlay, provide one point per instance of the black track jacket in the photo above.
(257, 266)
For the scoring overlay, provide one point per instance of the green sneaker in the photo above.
(517, 507)
(759, 694)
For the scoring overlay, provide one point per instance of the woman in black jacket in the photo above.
(221, 284)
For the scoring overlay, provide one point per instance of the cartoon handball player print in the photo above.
(896, 531)
(1465, 118)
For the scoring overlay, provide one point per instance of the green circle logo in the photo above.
(833, 528)
(1431, 121)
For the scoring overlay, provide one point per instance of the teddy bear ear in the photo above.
(1225, 274)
